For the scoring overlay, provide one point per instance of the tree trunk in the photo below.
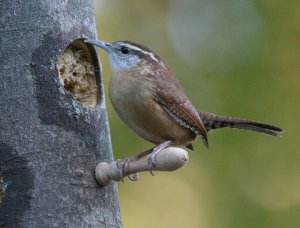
(53, 121)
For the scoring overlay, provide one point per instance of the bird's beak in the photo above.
(105, 46)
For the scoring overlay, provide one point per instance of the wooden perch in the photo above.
(169, 159)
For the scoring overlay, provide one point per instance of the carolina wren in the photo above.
(149, 99)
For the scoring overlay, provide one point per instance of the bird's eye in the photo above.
(125, 50)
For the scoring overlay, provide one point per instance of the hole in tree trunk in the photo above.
(78, 74)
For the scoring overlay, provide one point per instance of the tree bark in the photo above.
(50, 142)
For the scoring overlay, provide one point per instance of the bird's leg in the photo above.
(155, 151)
(123, 163)
(152, 153)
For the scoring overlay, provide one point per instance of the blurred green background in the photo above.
(236, 58)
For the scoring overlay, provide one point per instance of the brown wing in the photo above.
(171, 97)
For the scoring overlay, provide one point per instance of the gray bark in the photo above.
(50, 143)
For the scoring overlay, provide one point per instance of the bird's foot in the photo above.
(156, 150)
(121, 164)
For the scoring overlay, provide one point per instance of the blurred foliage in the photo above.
(236, 58)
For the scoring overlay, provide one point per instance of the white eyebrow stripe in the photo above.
(143, 51)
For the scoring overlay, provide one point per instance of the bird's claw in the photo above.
(121, 164)
(151, 161)
(133, 177)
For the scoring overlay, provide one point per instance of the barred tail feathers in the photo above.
(212, 121)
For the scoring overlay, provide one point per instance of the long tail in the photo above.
(212, 121)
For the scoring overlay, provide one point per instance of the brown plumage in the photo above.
(149, 99)
(212, 121)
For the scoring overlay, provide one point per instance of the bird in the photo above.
(148, 97)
